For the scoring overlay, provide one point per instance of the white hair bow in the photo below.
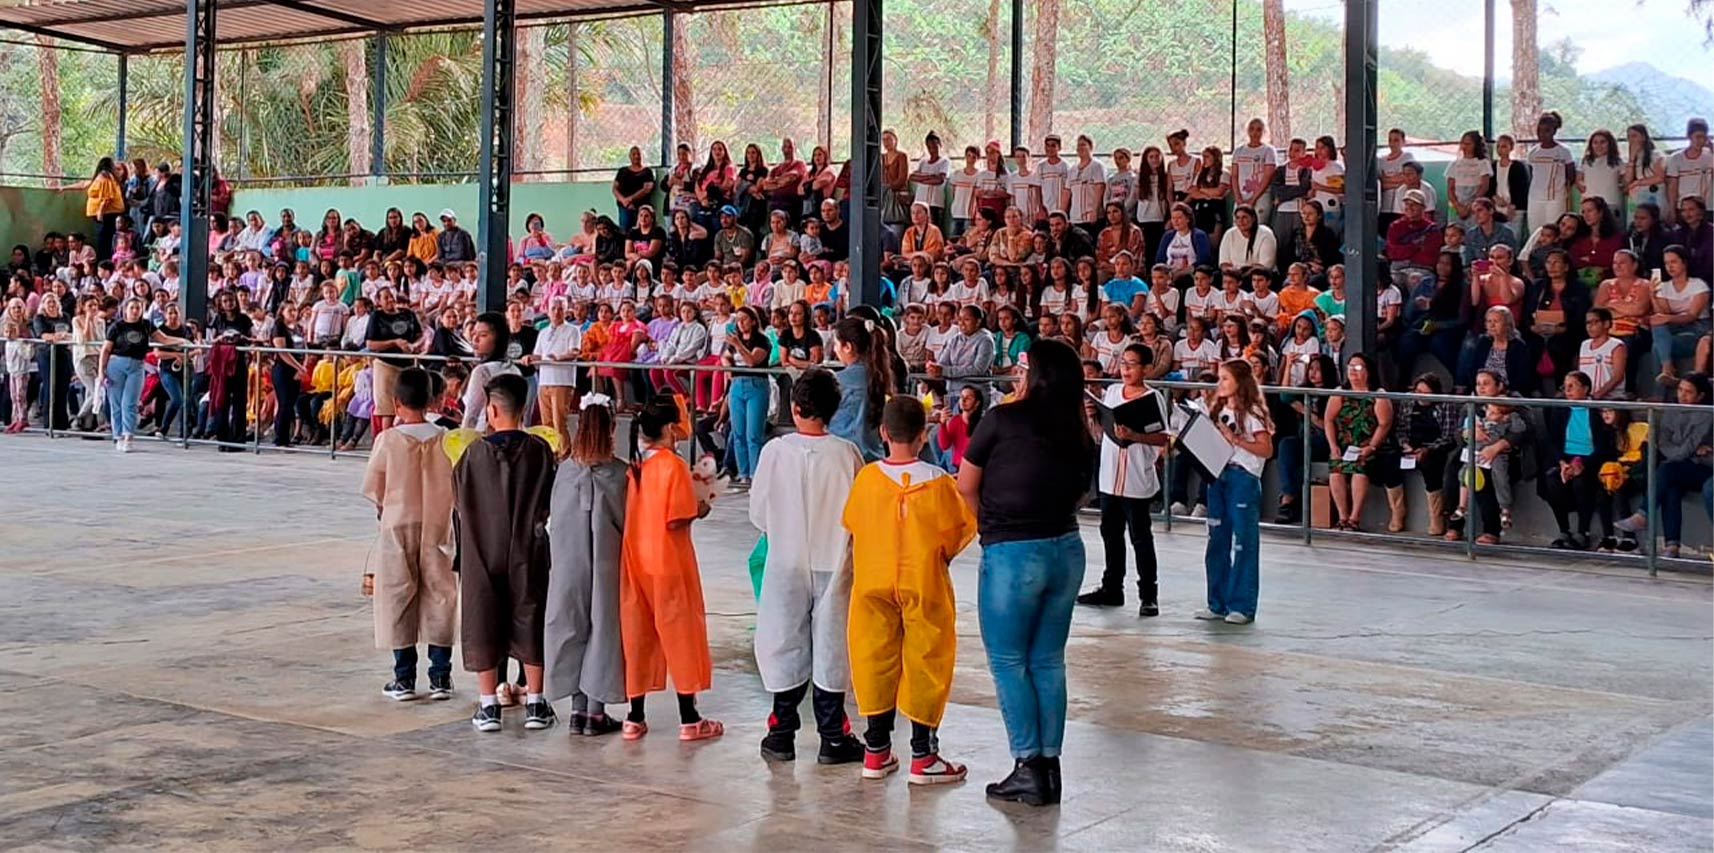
(595, 400)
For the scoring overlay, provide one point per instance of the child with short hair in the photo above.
(502, 485)
(907, 521)
(409, 480)
(661, 617)
(801, 482)
(584, 653)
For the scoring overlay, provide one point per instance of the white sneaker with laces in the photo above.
(1178, 508)
(1201, 511)
(1206, 614)
(1236, 618)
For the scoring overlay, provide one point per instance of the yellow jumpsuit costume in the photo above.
(902, 631)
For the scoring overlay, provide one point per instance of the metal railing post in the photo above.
(52, 382)
(1166, 490)
(1306, 490)
(1467, 479)
(333, 416)
(1650, 484)
(254, 416)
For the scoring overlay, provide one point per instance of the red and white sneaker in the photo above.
(879, 765)
(931, 769)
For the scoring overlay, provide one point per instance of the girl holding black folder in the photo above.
(1127, 481)
(1233, 559)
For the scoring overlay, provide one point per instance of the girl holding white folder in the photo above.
(1233, 559)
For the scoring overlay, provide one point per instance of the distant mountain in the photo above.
(1668, 101)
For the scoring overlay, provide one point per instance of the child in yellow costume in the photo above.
(907, 522)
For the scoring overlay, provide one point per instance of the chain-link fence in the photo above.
(1127, 73)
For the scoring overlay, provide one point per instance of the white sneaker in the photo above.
(128, 439)
(119, 445)
(1206, 614)
(1236, 618)
(1201, 511)
(1178, 508)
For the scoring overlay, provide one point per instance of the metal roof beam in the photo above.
(110, 17)
(53, 33)
(333, 14)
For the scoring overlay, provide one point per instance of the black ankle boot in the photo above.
(1053, 785)
(780, 745)
(1027, 785)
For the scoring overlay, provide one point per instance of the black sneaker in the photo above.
(577, 721)
(486, 718)
(1608, 545)
(400, 691)
(780, 746)
(1102, 597)
(539, 715)
(845, 749)
(1149, 608)
(440, 687)
(601, 724)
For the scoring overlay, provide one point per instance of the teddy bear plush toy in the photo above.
(704, 480)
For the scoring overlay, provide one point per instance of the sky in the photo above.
(1659, 32)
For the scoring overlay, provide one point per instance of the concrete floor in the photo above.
(185, 662)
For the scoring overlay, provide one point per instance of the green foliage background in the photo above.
(1128, 73)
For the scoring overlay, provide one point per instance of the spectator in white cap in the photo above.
(1414, 239)
(455, 243)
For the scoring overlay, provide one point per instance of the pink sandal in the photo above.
(633, 731)
(701, 730)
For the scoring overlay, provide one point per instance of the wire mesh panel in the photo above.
(754, 75)
(58, 113)
(601, 94)
(434, 83)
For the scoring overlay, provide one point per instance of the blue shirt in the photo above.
(1578, 439)
(1124, 290)
(851, 420)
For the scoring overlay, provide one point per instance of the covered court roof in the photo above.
(140, 26)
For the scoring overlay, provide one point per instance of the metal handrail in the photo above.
(1651, 410)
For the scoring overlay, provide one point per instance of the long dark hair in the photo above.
(1053, 397)
(1153, 184)
(104, 166)
(496, 323)
(1612, 148)
(859, 334)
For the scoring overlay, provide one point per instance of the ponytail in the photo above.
(861, 335)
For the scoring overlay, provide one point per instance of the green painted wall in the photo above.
(26, 213)
(560, 204)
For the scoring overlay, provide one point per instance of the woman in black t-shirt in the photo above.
(121, 369)
(392, 329)
(288, 373)
(1025, 473)
(172, 364)
(228, 412)
(53, 360)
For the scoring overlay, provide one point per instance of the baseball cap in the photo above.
(1414, 196)
(448, 214)
(728, 210)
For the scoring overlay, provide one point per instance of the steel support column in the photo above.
(1018, 74)
(378, 107)
(199, 53)
(865, 205)
(667, 26)
(124, 107)
(1488, 70)
(1361, 194)
(494, 180)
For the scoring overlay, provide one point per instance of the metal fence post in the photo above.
(1166, 490)
(1467, 479)
(254, 415)
(1649, 498)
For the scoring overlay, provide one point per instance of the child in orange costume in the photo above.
(661, 620)
(907, 522)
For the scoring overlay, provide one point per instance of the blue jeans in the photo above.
(1678, 479)
(124, 388)
(1024, 602)
(1676, 341)
(405, 663)
(748, 404)
(1291, 460)
(1233, 560)
(168, 421)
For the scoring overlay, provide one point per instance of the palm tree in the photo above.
(1279, 83)
(48, 61)
(353, 55)
(1042, 73)
(1526, 69)
(991, 29)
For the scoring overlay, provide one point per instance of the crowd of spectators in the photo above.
(1532, 270)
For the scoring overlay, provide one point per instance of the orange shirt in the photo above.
(1293, 301)
(661, 616)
